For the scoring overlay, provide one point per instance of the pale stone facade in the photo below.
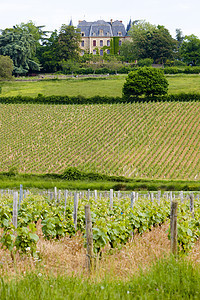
(98, 35)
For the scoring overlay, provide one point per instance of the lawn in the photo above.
(107, 86)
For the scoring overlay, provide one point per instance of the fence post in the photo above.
(111, 198)
(89, 237)
(95, 195)
(66, 196)
(55, 194)
(88, 194)
(181, 196)
(151, 197)
(173, 227)
(75, 209)
(132, 199)
(15, 203)
(192, 204)
(159, 195)
(20, 194)
(170, 197)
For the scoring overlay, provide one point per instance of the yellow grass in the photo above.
(68, 256)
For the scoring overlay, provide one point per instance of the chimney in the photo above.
(120, 21)
(80, 21)
(111, 20)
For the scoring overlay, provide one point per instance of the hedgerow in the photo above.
(42, 99)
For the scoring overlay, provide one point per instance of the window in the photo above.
(94, 52)
(82, 33)
(94, 43)
(108, 43)
(120, 42)
(82, 43)
(108, 51)
(119, 33)
(101, 32)
(101, 52)
(101, 43)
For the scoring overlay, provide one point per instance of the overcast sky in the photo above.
(183, 14)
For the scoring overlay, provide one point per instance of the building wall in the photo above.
(102, 32)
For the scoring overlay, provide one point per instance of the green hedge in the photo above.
(41, 99)
(186, 70)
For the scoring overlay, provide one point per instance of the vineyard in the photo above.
(116, 218)
(146, 140)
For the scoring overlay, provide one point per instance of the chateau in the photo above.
(98, 35)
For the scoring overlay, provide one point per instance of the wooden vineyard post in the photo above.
(111, 198)
(132, 199)
(170, 197)
(173, 227)
(66, 196)
(192, 205)
(89, 237)
(20, 194)
(151, 197)
(88, 194)
(159, 196)
(15, 204)
(95, 195)
(55, 194)
(181, 196)
(75, 209)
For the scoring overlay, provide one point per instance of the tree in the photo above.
(20, 46)
(127, 51)
(113, 63)
(48, 53)
(190, 50)
(70, 65)
(150, 41)
(69, 40)
(59, 47)
(145, 81)
(6, 67)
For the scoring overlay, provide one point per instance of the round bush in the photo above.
(145, 81)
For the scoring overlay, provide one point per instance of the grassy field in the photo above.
(108, 86)
(146, 140)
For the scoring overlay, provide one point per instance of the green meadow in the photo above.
(102, 86)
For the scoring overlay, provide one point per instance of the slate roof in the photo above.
(102, 28)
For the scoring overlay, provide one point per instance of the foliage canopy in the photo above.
(145, 81)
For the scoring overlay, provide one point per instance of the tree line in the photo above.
(27, 48)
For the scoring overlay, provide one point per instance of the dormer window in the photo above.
(119, 33)
(82, 33)
(101, 32)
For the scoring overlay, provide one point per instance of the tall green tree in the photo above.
(21, 47)
(69, 40)
(47, 53)
(190, 50)
(150, 41)
(59, 47)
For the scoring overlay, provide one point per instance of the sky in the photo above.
(173, 14)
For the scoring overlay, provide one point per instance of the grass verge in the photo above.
(166, 279)
(50, 181)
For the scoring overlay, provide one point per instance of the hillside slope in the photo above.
(155, 140)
